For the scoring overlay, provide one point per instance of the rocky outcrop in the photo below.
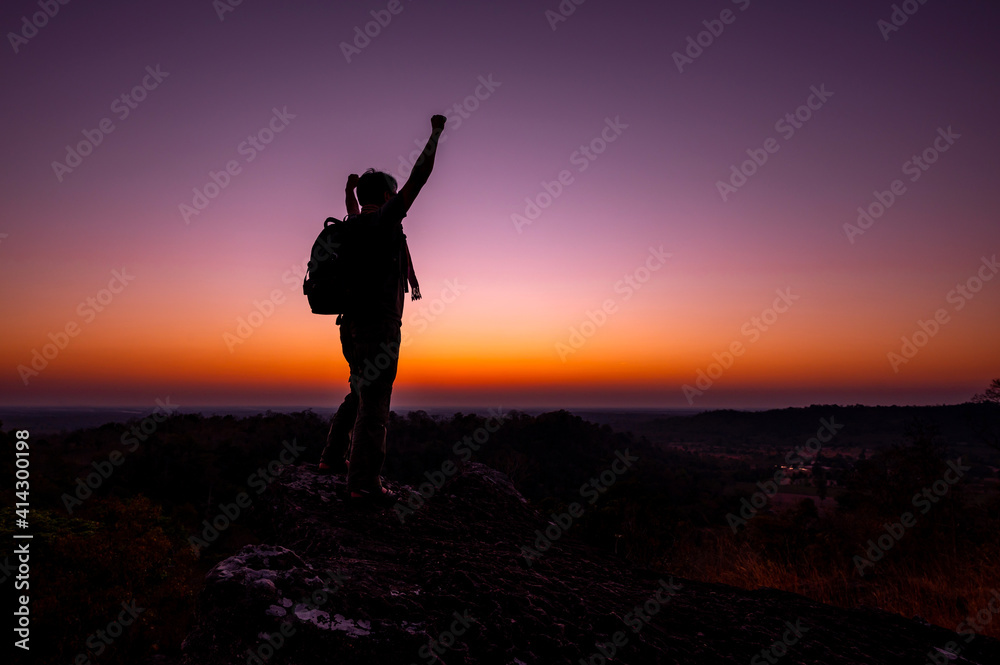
(450, 582)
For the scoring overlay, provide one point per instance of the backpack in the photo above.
(331, 282)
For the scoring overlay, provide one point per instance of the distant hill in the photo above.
(872, 427)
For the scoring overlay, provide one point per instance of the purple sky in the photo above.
(523, 288)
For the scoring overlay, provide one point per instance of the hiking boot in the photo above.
(337, 467)
(372, 499)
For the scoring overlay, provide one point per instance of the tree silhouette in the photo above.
(990, 396)
(986, 426)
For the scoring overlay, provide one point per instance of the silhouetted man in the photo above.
(370, 336)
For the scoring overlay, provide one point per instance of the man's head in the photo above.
(375, 187)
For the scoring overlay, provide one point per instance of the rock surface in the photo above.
(336, 585)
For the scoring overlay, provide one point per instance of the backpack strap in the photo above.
(411, 276)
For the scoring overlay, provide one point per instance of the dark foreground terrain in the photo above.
(332, 585)
(547, 538)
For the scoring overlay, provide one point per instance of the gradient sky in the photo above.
(520, 290)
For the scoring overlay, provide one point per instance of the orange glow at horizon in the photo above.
(636, 277)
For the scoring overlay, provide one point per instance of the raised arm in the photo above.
(351, 199)
(425, 164)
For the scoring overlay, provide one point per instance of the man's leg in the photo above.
(338, 439)
(376, 356)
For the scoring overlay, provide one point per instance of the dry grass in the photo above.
(944, 592)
